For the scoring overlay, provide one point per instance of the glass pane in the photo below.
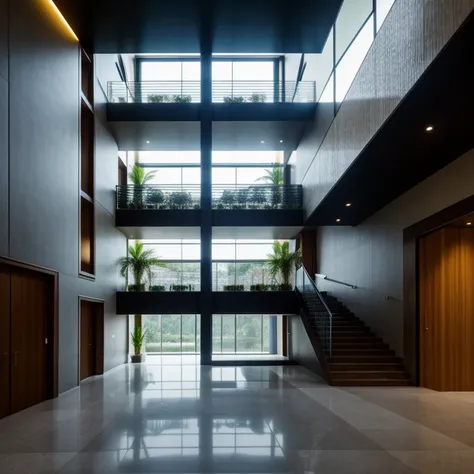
(161, 71)
(168, 251)
(189, 333)
(228, 333)
(383, 8)
(166, 176)
(191, 71)
(253, 251)
(352, 60)
(152, 326)
(351, 17)
(223, 176)
(323, 65)
(249, 333)
(191, 175)
(223, 252)
(191, 275)
(169, 157)
(171, 332)
(266, 332)
(328, 94)
(250, 273)
(216, 333)
(192, 252)
(247, 157)
(253, 71)
(198, 333)
(251, 175)
(221, 71)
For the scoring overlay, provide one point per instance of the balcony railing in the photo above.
(263, 91)
(162, 92)
(162, 197)
(157, 92)
(257, 196)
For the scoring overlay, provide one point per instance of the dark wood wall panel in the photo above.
(446, 309)
(4, 341)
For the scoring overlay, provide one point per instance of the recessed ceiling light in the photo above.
(281, 141)
(263, 141)
(148, 142)
(348, 204)
(429, 128)
(338, 220)
(468, 223)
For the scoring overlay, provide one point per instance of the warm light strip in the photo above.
(68, 26)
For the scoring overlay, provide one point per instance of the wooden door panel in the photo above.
(4, 341)
(86, 342)
(30, 306)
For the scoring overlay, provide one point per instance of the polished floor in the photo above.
(172, 417)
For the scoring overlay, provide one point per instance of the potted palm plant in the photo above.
(138, 337)
(274, 177)
(282, 262)
(140, 263)
(139, 177)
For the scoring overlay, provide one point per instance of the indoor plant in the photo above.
(138, 336)
(139, 177)
(282, 262)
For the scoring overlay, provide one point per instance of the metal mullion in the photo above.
(261, 333)
(235, 334)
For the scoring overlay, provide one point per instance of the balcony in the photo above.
(172, 210)
(274, 211)
(170, 112)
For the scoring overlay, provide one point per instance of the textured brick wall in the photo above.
(413, 34)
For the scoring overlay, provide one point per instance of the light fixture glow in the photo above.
(468, 223)
(63, 20)
(148, 142)
(429, 128)
(281, 141)
(263, 141)
(338, 220)
(348, 204)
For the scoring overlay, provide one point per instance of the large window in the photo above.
(176, 333)
(242, 333)
(383, 9)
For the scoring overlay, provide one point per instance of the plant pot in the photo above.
(137, 358)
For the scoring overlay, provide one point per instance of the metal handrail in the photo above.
(222, 91)
(257, 196)
(323, 325)
(325, 277)
(158, 196)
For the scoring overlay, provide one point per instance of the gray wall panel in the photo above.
(412, 35)
(3, 167)
(370, 255)
(4, 39)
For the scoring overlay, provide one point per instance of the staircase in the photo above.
(359, 357)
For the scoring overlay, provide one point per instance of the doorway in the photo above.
(27, 339)
(446, 308)
(91, 334)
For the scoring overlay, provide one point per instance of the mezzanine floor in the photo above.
(173, 417)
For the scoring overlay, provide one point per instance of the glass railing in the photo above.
(320, 314)
(249, 92)
(257, 196)
(158, 197)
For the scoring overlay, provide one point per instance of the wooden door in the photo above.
(446, 309)
(4, 341)
(88, 347)
(31, 298)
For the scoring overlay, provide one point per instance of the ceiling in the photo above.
(403, 153)
(185, 136)
(180, 26)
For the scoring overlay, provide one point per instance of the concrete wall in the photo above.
(370, 255)
(412, 35)
(39, 181)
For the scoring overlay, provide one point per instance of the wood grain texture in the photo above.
(91, 338)
(446, 299)
(31, 299)
(4, 341)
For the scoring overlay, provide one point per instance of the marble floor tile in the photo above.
(439, 462)
(37, 463)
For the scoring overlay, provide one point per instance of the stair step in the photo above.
(382, 382)
(358, 358)
(354, 350)
(358, 344)
(349, 339)
(368, 374)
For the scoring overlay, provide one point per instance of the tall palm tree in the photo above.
(272, 176)
(282, 262)
(140, 263)
(139, 177)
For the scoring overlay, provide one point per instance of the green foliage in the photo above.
(256, 97)
(137, 336)
(273, 176)
(157, 288)
(234, 100)
(282, 262)
(234, 288)
(228, 198)
(182, 99)
(158, 99)
(180, 200)
(258, 196)
(156, 197)
(139, 176)
(259, 287)
(135, 288)
(181, 287)
(140, 263)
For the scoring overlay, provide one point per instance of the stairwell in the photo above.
(359, 356)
